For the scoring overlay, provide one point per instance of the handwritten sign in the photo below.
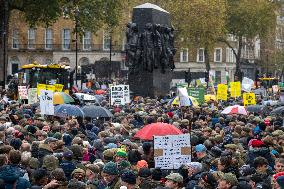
(32, 95)
(117, 95)
(126, 93)
(58, 87)
(249, 99)
(46, 102)
(222, 92)
(40, 87)
(197, 93)
(23, 92)
(50, 88)
(235, 89)
(183, 97)
(171, 151)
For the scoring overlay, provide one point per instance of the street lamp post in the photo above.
(5, 22)
(76, 45)
(110, 51)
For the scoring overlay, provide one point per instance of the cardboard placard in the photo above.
(171, 151)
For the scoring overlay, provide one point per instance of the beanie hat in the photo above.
(110, 168)
(157, 174)
(50, 162)
(200, 148)
(124, 164)
(121, 153)
(142, 164)
(34, 163)
(57, 135)
(129, 177)
(144, 172)
(67, 139)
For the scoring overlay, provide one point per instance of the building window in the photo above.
(200, 55)
(87, 41)
(218, 55)
(31, 38)
(106, 42)
(48, 38)
(14, 61)
(66, 38)
(15, 39)
(184, 55)
(230, 57)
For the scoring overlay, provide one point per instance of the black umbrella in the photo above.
(278, 111)
(96, 111)
(257, 109)
(64, 110)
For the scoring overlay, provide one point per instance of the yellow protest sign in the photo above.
(222, 92)
(50, 88)
(58, 87)
(249, 99)
(40, 87)
(235, 89)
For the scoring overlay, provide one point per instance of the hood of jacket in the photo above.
(9, 173)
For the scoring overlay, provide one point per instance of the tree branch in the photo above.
(229, 45)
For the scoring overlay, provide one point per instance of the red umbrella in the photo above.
(157, 129)
(99, 92)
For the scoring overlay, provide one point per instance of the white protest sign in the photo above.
(171, 151)
(183, 97)
(46, 102)
(275, 88)
(117, 95)
(247, 84)
(23, 92)
(32, 95)
(126, 93)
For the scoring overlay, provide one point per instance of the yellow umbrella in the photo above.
(209, 97)
(62, 98)
(175, 101)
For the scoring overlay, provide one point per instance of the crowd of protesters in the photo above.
(228, 151)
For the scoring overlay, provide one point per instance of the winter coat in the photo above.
(11, 177)
(44, 150)
(260, 152)
(68, 167)
(193, 180)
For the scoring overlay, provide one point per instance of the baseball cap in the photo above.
(176, 177)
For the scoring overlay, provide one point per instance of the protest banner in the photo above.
(40, 87)
(249, 99)
(32, 95)
(183, 97)
(171, 151)
(247, 84)
(23, 92)
(46, 102)
(50, 88)
(222, 92)
(235, 89)
(197, 93)
(126, 94)
(58, 87)
(117, 95)
(275, 88)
